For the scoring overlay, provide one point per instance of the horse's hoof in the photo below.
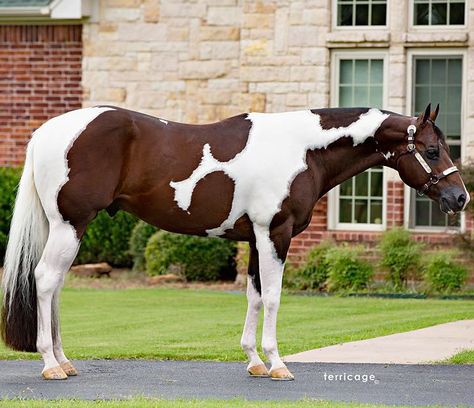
(281, 374)
(54, 373)
(258, 371)
(69, 369)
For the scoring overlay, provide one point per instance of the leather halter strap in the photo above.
(433, 178)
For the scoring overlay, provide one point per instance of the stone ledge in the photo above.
(440, 38)
(339, 39)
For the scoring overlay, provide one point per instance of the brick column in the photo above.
(40, 77)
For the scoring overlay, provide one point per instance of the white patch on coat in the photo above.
(274, 155)
(388, 155)
(164, 121)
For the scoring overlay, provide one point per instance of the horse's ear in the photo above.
(434, 114)
(426, 115)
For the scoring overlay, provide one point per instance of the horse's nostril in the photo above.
(461, 199)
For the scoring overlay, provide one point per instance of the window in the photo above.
(438, 79)
(358, 203)
(439, 12)
(361, 12)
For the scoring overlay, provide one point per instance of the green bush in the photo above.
(401, 255)
(314, 272)
(443, 274)
(9, 179)
(197, 258)
(346, 270)
(107, 238)
(141, 233)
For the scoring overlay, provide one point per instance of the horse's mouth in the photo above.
(444, 206)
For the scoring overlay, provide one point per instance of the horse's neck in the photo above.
(343, 161)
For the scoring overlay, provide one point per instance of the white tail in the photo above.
(27, 239)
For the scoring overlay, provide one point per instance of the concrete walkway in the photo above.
(414, 347)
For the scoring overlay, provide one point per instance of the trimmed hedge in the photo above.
(346, 270)
(443, 274)
(401, 255)
(314, 272)
(9, 179)
(107, 239)
(197, 258)
(141, 233)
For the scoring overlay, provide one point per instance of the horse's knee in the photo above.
(271, 300)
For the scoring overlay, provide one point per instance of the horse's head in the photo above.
(423, 162)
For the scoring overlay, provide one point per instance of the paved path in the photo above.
(119, 379)
(414, 347)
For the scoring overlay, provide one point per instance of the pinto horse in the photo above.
(254, 177)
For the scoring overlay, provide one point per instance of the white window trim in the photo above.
(333, 195)
(427, 52)
(435, 28)
(336, 27)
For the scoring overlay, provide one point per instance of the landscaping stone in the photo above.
(96, 270)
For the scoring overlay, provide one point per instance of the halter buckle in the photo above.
(434, 179)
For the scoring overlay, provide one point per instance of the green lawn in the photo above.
(151, 403)
(202, 324)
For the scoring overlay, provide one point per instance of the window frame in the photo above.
(333, 195)
(430, 28)
(408, 191)
(335, 26)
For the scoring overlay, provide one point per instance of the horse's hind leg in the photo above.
(58, 255)
(256, 367)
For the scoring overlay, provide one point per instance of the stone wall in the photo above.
(199, 61)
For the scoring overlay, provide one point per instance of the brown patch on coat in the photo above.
(338, 117)
(126, 160)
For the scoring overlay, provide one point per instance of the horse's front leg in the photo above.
(271, 275)
(256, 367)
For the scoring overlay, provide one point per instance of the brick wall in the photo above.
(40, 77)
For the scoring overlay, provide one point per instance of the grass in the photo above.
(463, 357)
(163, 323)
(153, 403)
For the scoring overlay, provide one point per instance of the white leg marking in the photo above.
(249, 340)
(57, 342)
(271, 274)
(59, 253)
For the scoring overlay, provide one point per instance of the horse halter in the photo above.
(433, 178)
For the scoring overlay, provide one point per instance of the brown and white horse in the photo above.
(254, 177)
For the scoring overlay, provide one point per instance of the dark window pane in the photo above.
(345, 15)
(455, 152)
(438, 71)
(376, 212)
(456, 13)
(379, 14)
(439, 14)
(346, 188)
(376, 184)
(422, 71)
(361, 184)
(360, 211)
(362, 14)
(421, 14)
(438, 218)
(345, 208)
(454, 71)
(422, 212)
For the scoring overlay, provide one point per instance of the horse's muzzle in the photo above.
(453, 200)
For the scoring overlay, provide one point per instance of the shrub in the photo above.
(314, 272)
(141, 233)
(9, 179)
(106, 240)
(443, 274)
(401, 255)
(346, 271)
(197, 258)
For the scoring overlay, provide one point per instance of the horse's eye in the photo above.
(432, 154)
